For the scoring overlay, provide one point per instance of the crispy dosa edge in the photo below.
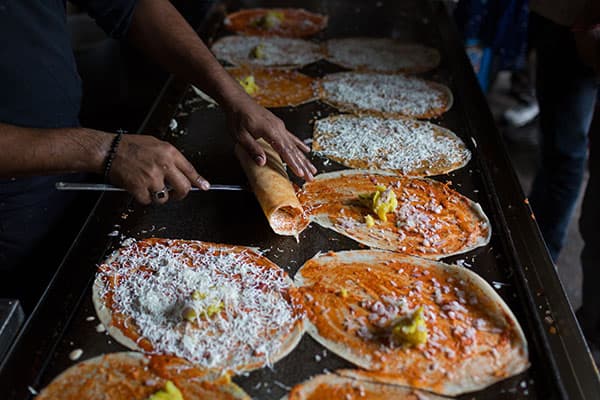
(288, 344)
(134, 359)
(316, 146)
(434, 57)
(466, 379)
(274, 191)
(105, 315)
(305, 389)
(326, 222)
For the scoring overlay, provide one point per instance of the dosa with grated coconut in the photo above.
(385, 95)
(381, 55)
(218, 306)
(401, 145)
(266, 52)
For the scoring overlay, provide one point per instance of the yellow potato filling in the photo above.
(381, 202)
(412, 330)
(191, 311)
(170, 392)
(258, 52)
(270, 20)
(249, 84)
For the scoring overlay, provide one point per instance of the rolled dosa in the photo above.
(274, 191)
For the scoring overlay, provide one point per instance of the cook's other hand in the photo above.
(146, 166)
(159, 30)
(143, 165)
(249, 121)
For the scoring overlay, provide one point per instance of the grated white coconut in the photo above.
(254, 321)
(278, 51)
(391, 144)
(381, 55)
(381, 93)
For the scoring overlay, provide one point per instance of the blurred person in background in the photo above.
(496, 36)
(566, 88)
(567, 40)
(522, 90)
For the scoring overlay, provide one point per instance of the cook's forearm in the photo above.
(159, 29)
(28, 151)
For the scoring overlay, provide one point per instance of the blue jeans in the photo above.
(566, 91)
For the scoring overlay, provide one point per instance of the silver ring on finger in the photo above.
(161, 194)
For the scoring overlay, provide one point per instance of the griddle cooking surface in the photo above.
(66, 319)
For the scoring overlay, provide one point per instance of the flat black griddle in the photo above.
(515, 261)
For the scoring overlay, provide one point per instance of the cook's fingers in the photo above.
(252, 147)
(292, 160)
(158, 192)
(142, 195)
(305, 164)
(191, 174)
(179, 183)
(288, 153)
(297, 161)
(303, 146)
(300, 148)
(312, 168)
(308, 167)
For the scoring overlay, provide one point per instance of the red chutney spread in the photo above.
(431, 220)
(357, 304)
(131, 376)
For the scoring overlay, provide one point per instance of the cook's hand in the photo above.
(144, 165)
(249, 121)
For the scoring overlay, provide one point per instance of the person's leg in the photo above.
(566, 91)
(522, 90)
(589, 226)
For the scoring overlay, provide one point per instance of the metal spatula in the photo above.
(110, 188)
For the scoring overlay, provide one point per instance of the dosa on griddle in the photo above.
(355, 299)
(402, 145)
(431, 219)
(381, 55)
(289, 22)
(219, 306)
(128, 375)
(274, 191)
(273, 52)
(278, 88)
(336, 387)
(388, 95)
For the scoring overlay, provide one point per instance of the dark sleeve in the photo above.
(113, 16)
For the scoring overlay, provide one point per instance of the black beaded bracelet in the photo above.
(112, 152)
